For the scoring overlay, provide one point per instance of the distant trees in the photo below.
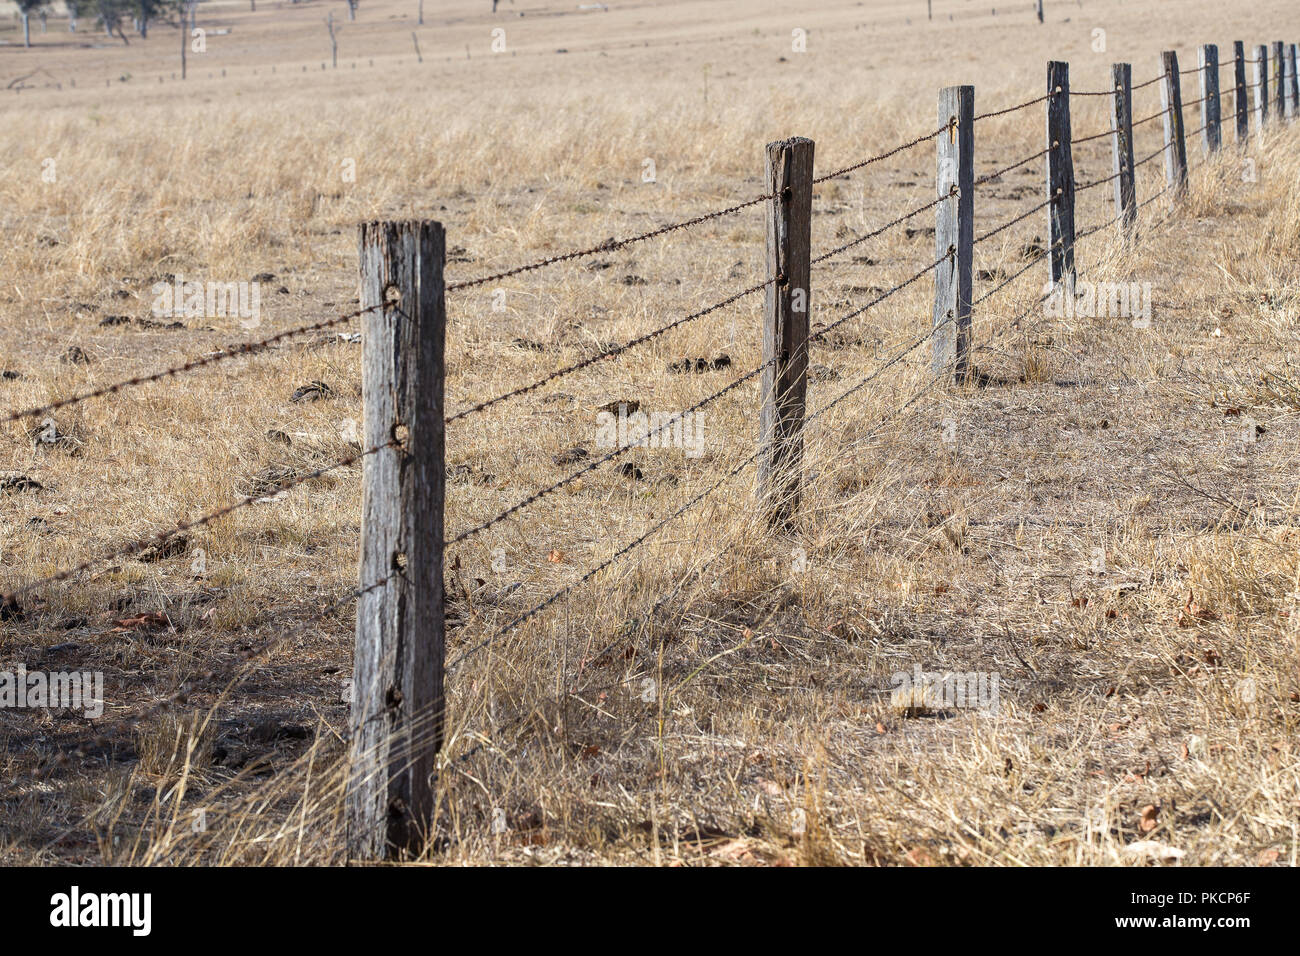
(26, 8)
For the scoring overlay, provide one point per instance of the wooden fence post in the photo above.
(1278, 87)
(1292, 89)
(1261, 87)
(1171, 98)
(1212, 133)
(1121, 124)
(398, 702)
(1243, 104)
(1060, 176)
(954, 232)
(785, 329)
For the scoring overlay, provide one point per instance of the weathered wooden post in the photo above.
(1211, 132)
(1243, 104)
(398, 703)
(1060, 176)
(1121, 124)
(1277, 69)
(785, 329)
(1171, 98)
(1261, 87)
(1292, 89)
(954, 233)
(1040, 11)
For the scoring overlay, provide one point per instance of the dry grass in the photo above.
(1087, 520)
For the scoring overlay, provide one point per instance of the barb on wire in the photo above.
(592, 466)
(159, 537)
(609, 245)
(887, 226)
(609, 353)
(230, 352)
(875, 159)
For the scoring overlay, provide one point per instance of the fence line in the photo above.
(417, 503)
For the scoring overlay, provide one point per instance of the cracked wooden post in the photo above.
(1060, 177)
(954, 233)
(784, 382)
(1121, 124)
(1243, 102)
(1261, 87)
(397, 709)
(1171, 98)
(1211, 133)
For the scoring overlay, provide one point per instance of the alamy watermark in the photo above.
(937, 690)
(209, 300)
(1100, 300)
(75, 690)
(683, 430)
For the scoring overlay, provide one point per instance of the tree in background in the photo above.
(110, 14)
(146, 10)
(26, 8)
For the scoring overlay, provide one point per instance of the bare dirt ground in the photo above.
(1105, 517)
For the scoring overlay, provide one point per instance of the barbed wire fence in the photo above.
(399, 707)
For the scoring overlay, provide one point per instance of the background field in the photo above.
(1149, 697)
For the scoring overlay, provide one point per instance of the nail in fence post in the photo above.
(397, 708)
(1212, 134)
(1171, 98)
(1261, 87)
(1121, 123)
(1278, 87)
(1243, 104)
(954, 232)
(784, 382)
(1060, 176)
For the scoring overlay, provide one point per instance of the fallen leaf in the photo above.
(1268, 857)
(556, 556)
(1149, 821)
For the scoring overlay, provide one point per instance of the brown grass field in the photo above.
(1107, 517)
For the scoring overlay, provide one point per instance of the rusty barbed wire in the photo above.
(1096, 182)
(608, 353)
(1012, 109)
(592, 572)
(989, 177)
(1011, 222)
(159, 537)
(231, 352)
(875, 159)
(1043, 257)
(609, 245)
(592, 466)
(889, 225)
(883, 296)
(1147, 119)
